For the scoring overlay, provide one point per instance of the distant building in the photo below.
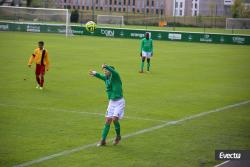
(148, 7)
(154, 7)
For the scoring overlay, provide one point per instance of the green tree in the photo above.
(36, 3)
(246, 12)
(74, 17)
(29, 3)
(237, 8)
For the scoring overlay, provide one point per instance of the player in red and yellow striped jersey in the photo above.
(41, 58)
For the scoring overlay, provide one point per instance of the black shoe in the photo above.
(101, 143)
(117, 140)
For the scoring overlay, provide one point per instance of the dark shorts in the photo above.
(40, 69)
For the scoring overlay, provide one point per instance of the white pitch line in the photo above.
(78, 112)
(222, 163)
(77, 149)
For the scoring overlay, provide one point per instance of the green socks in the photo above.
(117, 128)
(106, 128)
(142, 66)
(148, 66)
(105, 131)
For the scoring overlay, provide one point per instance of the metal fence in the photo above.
(153, 20)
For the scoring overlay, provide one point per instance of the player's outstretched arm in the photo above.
(97, 75)
(92, 73)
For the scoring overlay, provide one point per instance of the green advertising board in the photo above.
(170, 36)
(129, 33)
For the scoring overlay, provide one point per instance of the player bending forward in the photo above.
(116, 104)
(146, 51)
(41, 58)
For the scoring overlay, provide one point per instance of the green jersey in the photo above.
(147, 45)
(113, 84)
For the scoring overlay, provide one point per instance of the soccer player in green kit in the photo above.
(116, 104)
(146, 51)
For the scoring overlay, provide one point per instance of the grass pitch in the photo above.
(186, 79)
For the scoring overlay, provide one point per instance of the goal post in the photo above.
(110, 20)
(40, 16)
(238, 23)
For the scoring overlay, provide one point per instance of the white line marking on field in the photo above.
(77, 149)
(78, 112)
(222, 163)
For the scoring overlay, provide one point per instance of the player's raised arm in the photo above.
(110, 69)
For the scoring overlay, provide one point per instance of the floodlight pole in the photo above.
(174, 14)
(215, 15)
(144, 13)
(93, 10)
(127, 10)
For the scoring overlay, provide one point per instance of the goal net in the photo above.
(237, 23)
(41, 16)
(110, 20)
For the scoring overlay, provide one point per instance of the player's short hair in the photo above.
(147, 35)
(41, 42)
